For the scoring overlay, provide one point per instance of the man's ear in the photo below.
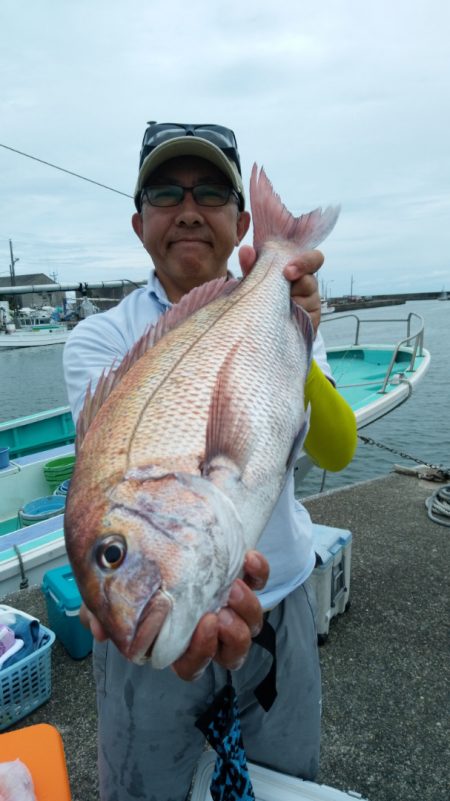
(136, 222)
(243, 224)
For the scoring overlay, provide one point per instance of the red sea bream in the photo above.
(182, 452)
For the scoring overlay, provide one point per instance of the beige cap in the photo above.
(189, 146)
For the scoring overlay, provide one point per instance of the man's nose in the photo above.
(189, 212)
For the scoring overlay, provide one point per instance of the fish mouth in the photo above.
(148, 627)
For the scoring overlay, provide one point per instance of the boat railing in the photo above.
(414, 339)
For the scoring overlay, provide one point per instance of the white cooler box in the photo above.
(269, 785)
(331, 576)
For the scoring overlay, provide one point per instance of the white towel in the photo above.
(16, 782)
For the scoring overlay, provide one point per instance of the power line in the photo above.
(69, 172)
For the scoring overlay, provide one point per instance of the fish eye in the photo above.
(111, 552)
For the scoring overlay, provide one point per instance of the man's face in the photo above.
(189, 244)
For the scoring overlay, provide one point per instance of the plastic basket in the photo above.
(4, 458)
(58, 470)
(42, 509)
(28, 683)
(62, 489)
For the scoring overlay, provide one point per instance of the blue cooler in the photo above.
(63, 607)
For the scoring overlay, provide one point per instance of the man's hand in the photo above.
(225, 637)
(300, 272)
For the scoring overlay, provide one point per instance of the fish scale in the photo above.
(180, 407)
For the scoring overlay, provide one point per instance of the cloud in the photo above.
(343, 103)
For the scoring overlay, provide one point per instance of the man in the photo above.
(190, 216)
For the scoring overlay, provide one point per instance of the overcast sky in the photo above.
(343, 101)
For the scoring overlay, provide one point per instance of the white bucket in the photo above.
(269, 785)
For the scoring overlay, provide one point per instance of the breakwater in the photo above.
(363, 303)
(349, 303)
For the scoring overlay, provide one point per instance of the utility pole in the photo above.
(351, 287)
(11, 266)
(12, 272)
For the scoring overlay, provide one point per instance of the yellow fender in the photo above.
(332, 437)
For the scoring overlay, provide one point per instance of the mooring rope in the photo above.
(438, 505)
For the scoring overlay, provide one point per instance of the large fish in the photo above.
(182, 452)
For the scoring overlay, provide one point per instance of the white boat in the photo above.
(33, 335)
(35, 327)
(444, 295)
(325, 307)
(374, 378)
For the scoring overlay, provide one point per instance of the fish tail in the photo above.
(272, 220)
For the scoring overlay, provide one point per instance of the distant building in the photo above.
(33, 299)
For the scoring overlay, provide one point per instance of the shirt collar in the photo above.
(156, 290)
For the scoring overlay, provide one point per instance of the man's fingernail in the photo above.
(236, 593)
(201, 671)
(237, 665)
(210, 627)
(225, 617)
(255, 560)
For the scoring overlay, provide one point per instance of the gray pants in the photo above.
(148, 743)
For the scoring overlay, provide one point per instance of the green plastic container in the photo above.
(58, 470)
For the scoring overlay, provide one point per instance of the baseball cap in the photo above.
(214, 143)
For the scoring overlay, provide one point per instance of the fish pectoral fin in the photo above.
(296, 445)
(304, 324)
(228, 431)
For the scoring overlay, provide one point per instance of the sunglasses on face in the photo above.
(166, 195)
(159, 132)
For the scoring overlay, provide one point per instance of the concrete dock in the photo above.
(385, 666)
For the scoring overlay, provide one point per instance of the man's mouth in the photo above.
(190, 241)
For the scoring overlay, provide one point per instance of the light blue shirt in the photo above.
(102, 340)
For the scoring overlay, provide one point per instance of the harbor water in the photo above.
(31, 380)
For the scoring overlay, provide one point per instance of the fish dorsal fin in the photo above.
(272, 220)
(197, 298)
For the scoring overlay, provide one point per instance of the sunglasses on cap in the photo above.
(159, 132)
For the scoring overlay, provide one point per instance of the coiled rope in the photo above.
(438, 506)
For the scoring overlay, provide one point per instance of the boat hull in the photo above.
(360, 373)
(33, 339)
(27, 554)
(39, 432)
